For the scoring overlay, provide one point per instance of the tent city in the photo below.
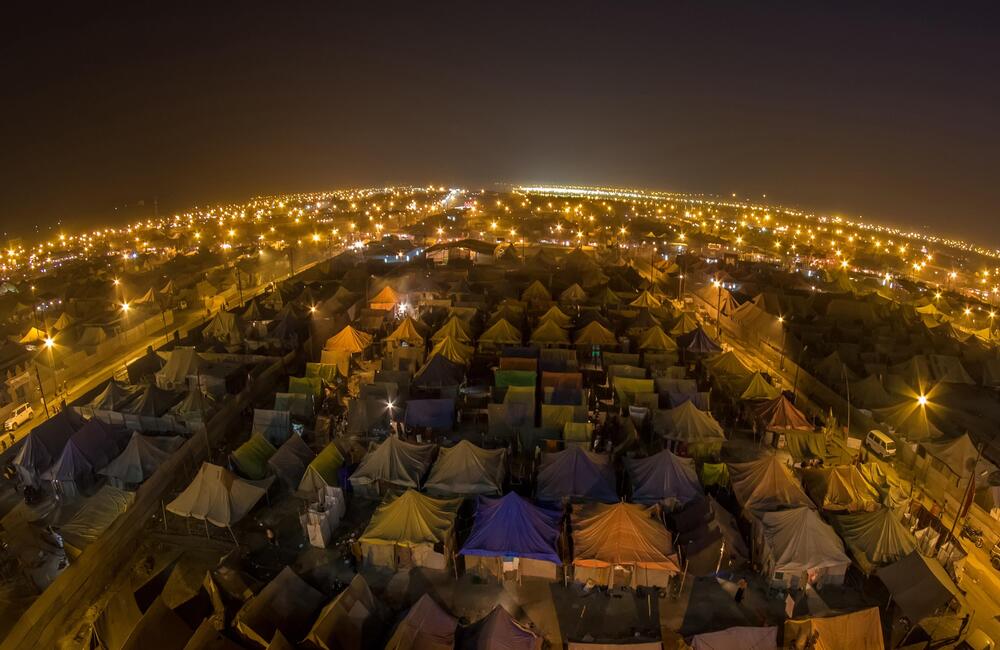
(520, 417)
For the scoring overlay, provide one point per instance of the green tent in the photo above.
(305, 385)
(322, 471)
(325, 371)
(251, 457)
(714, 474)
(504, 378)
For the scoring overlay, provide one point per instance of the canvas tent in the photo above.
(439, 372)
(385, 300)
(467, 470)
(621, 544)
(141, 457)
(875, 538)
(500, 631)
(780, 414)
(286, 605)
(919, 585)
(425, 627)
(766, 484)
(394, 462)
(549, 333)
(958, 455)
(114, 396)
(452, 350)
(655, 338)
(250, 458)
(322, 471)
(353, 620)
(576, 474)
(216, 495)
(840, 489)
(184, 362)
(738, 638)
(688, 424)
(290, 461)
(593, 333)
(348, 340)
(861, 630)
(710, 537)
(94, 517)
(405, 530)
(225, 328)
(89, 449)
(274, 426)
(500, 333)
(406, 332)
(759, 389)
(44, 444)
(663, 478)
(512, 527)
(153, 402)
(454, 328)
(795, 547)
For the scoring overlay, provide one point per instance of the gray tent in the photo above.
(88, 450)
(44, 444)
(94, 517)
(499, 630)
(114, 396)
(153, 402)
(426, 626)
(467, 470)
(225, 328)
(766, 484)
(291, 460)
(663, 478)
(875, 538)
(184, 362)
(394, 462)
(576, 474)
(919, 585)
(141, 457)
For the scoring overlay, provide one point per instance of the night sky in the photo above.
(891, 113)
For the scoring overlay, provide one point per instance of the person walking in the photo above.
(741, 589)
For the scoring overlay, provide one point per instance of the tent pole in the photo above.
(207, 534)
(163, 509)
(236, 541)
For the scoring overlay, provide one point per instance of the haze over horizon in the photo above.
(881, 112)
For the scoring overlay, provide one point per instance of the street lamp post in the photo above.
(718, 310)
(781, 363)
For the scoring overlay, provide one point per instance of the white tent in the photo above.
(796, 547)
(218, 496)
(140, 459)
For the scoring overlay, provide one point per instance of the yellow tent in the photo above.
(406, 332)
(594, 334)
(758, 388)
(686, 323)
(861, 630)
(656, 339)
(33, 336)
(385, 300)
(348, 340)
(64, 321)
(455, 328)
(728, 364)
(645, 300)
(573, 294)
(413, 521)
(549, 333)
(536, 292)
(452, 350)
(556, 315)
(501, 332)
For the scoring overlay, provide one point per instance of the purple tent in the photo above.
(439, 372)
(433, 413)
(698, 342)
(511, 526)
(576, 474)
(91, 448)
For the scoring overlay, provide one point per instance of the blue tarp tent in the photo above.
(439, 372)
(511, 526)
(433, 413)
(576, 474)
(698, 342)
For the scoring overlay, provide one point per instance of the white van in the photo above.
(18, 416)
(880, 443)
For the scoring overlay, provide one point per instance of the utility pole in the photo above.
(965, 494)
(41, 391)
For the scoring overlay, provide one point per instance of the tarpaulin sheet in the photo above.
(251, 457)
(875, 538)
(217, 496)
(433, 413)
(714, 474)
(322, 471)
(285, 605)
(426, 627)
(619, 358)
(276, 426)
(578, 431)
(625, 386)
(394, 461)
(412, 519)
(803, 445)
(305, 385)
(466, 470)
(504, 378)
(620, 370)
(574, 473)
(663, 478)
(518, 363)
(291, 460)
(621, 534)
(556, 417)
(512, 526)
(860, 630)
(326, 372)
(562, 380)
(766, 484)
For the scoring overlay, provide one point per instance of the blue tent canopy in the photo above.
(45, 443)
(698, 342)
(433, 413)
(576, 474)
(511, 526)
(438, 372)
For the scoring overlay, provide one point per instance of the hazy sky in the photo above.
(890, 113)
